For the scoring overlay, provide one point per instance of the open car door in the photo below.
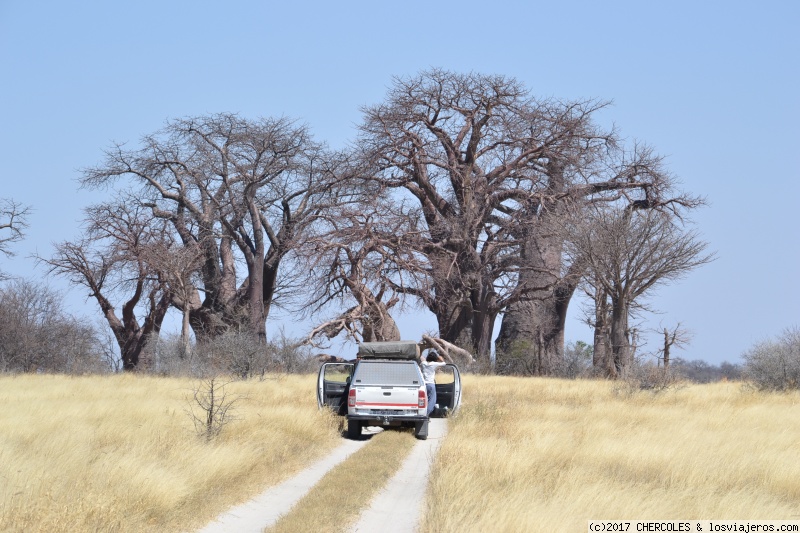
(333, 383)
(448, 391)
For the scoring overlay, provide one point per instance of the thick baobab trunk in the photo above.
(378, 324)
(621, 352)
(272, 264)
(469, 321)
(220, 307)
(256, 322)
(253, 247)
(533, 328)
(455, 322)
(482, 328)
(534, 325)
(602, 361)
(533, 332)
(131, 338)
(455, 289)
(130, 351)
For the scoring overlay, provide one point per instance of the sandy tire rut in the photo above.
(395, 509)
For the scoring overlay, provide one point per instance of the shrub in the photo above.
(647, 376)
(211, 407)
(521, 359)
(775, 364)
(239, 354)
(37, 334)
(576, 361)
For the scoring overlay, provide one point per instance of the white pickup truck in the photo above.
(384, 387)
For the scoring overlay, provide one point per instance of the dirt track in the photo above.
(395, 509)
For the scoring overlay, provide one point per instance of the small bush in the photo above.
(576, 361)
(521, 359)
(646, 376)
(238, 354)
(775, 364)
(211, 407)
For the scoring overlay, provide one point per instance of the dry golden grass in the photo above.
(548, 455)
(336, 502)
(119, 453)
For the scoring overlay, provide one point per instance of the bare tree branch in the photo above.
(13, 223)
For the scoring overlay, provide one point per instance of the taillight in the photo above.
(351, 398)
(423, 400)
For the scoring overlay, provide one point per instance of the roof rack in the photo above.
(389, 350)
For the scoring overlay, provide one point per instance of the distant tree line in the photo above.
(461, 193)
(699, 371)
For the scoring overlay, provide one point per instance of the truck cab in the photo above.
(384, 387)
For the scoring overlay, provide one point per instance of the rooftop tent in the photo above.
(388, 350)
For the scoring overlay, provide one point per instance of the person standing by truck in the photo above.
(429, 366)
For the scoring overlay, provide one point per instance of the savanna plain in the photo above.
(121, 453)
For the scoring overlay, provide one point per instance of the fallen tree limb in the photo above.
(446, 349)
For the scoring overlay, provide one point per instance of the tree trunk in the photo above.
(533, 328)
(534, 332)
(602, 360)
(536, 323)
(129, 352)
(453, 320)
(379, 325)
(482, 328)
(620, 340)
(270, 284)
(469, 325)
(185, 328)
(220, 308)
(257, 322)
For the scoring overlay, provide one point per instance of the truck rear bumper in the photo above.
(386, 420)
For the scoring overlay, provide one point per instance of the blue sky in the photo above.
(713, 86)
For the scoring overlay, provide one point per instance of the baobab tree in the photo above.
(109, 261)
(236, 190)
(464, 156)
(484, 171)
(612, 175)
(628, 252)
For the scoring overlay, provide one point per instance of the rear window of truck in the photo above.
(375, 373)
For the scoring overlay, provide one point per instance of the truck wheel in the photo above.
(421, 430)
(353, 429)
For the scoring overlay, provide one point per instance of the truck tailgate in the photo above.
(387, 398)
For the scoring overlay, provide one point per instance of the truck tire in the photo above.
(421, 430)
(353, 429)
